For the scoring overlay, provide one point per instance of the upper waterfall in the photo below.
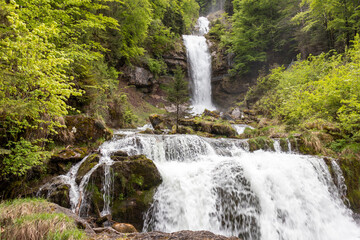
(199, 61)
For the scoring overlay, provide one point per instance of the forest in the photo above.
(297, 63)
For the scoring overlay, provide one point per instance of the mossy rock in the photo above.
(70, 155)
(284, 144)
(188, 122)
(86, 166)
(57, 191)
(261, 143)
(185, 130)
(119, 156)
(214, 114)
(147, 131)
(135, 179)
(82, 130)
(60, 163)
(155, 120)
(223, 129)
(351, 171)
(200, 125)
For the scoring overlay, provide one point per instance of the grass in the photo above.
(35, 219)
(144, 111)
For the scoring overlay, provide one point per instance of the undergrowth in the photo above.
(35, 219)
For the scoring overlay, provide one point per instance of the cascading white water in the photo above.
(199, 60)
(240, 128)
(218, 185)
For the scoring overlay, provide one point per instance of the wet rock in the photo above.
(182, 235)
(284, 144)
(101, 220)
(209, 127)
(228, 117)
(134, 181)
(160, 122)
(156, 119)
(124, 228)
(261, 143)
(215, 114)
(86, 166)
(222, 129)
(148, 131)
(236, 113)
(119, 156)
(61, 162)
(81, 130)
(56, 191)
(70, 155)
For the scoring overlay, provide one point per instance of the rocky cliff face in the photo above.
(227, 89)
(140, 76)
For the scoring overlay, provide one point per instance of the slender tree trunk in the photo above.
(177, 117)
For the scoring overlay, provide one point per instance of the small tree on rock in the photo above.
(178, 92)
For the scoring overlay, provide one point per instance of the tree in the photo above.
(178, 92)
(260, 31)
(338, 18)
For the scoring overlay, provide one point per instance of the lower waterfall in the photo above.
(218, 185)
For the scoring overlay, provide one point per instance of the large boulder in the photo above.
(138, 76)
(80, 130)
(61, 162)
(135, 179)
(161, 122)
(124, 228)
(56, 191)
(86, 166)
(221, 129)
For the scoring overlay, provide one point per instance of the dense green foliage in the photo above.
(267, 32)
(257, 28)
(322, 88)
(60, 57)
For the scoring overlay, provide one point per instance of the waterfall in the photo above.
(199, 60)
(219, 186)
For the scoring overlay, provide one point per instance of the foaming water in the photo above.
(230, 191)
(219, 186)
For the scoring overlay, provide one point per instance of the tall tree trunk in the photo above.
(177, 117)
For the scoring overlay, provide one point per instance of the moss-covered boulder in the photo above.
(261, 143)
(134, 183)
(86, 166)
(284, 144)
(62, 161)
(82, 130)
(214, 114)
(217, 128)
(350, 167)
(223, 129)
(56, 191)
(161, 122)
